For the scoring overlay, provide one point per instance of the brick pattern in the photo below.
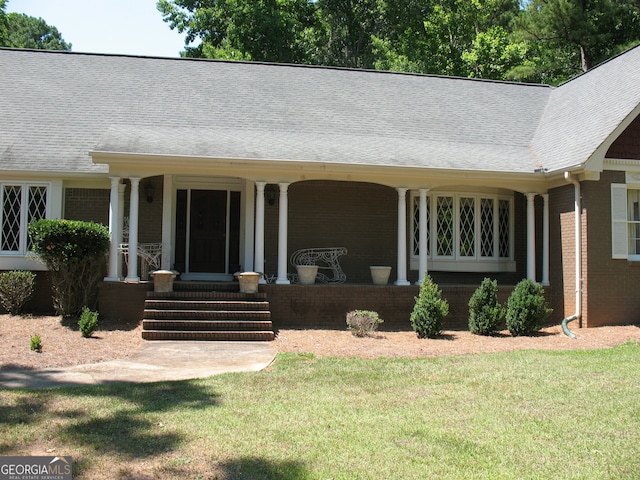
(87, 205)
(613, 284)
(627, 145)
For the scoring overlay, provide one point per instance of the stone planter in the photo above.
(307, 274)
(380, 274)
(248, 282)
(163, 280)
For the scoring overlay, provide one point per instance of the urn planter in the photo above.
(248, 281)
(380, 274)
(163, 280)
(307, 274)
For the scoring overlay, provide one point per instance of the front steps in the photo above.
(207, 315)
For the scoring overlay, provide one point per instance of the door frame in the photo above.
(246, 189)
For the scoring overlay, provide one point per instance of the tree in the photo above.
(4, 23)
(568, 37)
(24, 31)
(260, 30)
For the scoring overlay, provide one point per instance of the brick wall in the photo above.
(122, 301)
(325, 306)
(627, 145)
(87, 205)
(613, 284)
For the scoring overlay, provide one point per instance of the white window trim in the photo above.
(455, 262)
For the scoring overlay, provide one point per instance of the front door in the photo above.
(207, 231)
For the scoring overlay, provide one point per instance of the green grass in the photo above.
(519, 415)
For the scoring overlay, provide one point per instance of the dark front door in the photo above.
(208, 238)
(207, 231)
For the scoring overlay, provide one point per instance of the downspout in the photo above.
(578, 241)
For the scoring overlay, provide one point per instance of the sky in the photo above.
(132, 27)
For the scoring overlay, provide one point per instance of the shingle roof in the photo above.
(57, 107)
(583, 112)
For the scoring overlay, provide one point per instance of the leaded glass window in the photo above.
(504, 243)
(486, 227)
(21, 205)
(444, 227)
(467, 227)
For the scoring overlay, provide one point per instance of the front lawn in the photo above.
(519, 415)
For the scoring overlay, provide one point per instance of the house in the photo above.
(217, 167)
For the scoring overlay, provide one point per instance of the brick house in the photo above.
(230, 166)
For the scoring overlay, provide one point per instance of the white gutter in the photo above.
(578, 241)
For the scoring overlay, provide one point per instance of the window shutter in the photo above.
(619, 220)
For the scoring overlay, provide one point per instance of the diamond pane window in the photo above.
(444, 227)
(486, 227)
(11, 208)
(503, 228)
(37, 206)
(467, 227)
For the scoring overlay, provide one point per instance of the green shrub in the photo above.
(36, 343)
(88, 322)
(526, 308)
(485, 313)
(16, 288)
(429, 310)
(363, 322)
(75, 254)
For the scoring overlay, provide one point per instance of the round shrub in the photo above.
(485, 313)
(16, 288)
(429, 310)
(88, 322)
(362, 323)
(527, 308)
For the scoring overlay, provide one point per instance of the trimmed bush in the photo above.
(527, 308)
(88, 322)
(485, 313)
(75, 254)
(429, 310)
(16, 288)
(363, 322)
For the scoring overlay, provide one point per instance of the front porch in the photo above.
(313, 306)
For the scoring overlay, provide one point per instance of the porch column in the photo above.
(259, 235)
(422, 234)
(121, 188)
(545, 240)
(402, 237)
(531, 237)
(167, 221)
(282, 235)
(132, 275)
(114, 229)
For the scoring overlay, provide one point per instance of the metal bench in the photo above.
(327, 260)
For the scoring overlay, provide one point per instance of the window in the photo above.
(21, 204)
(465, 232)
(625, 221)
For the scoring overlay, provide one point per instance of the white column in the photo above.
(121, 188)
(545, 240)
(282, 235)
(531, 237)
(167, 221)
(402, 237)
(132, 275)
(114, 229)
(422, 236)
(259, 234)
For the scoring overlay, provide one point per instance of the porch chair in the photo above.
(326, 258)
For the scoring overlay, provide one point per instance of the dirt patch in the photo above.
(63, 345)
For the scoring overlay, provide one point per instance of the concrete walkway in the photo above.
(158, 361)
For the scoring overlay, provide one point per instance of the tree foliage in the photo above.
(529, 40)
(24, 31)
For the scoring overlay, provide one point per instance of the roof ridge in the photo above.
(278, 64)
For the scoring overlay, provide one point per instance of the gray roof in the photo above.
(57, 107)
